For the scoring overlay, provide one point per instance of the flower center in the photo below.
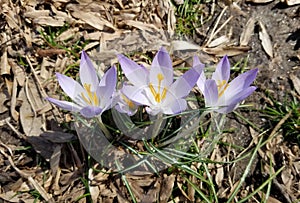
(156, 94)
(91, 98)
(222, 86)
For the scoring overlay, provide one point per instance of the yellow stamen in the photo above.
(222, 86)
(128, 101)
(92, 98)
(156, 94)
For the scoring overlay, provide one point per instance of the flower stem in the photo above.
(157, 125)
(104, 129)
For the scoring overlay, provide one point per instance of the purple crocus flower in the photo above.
(92, 96)
(155, 88)
(124, 104)
(221, 96)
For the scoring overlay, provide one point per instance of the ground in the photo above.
(41, 159)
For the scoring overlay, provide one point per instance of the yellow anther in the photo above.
(222, 86)
(92, 96)
(156, 94)
(128, 101)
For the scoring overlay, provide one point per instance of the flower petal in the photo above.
(183, 85)
(136, 94)
(107, 86)
(175, 107)
(210, 93)
(162, 59)
(69, 106)
(222, 71)
(136, 74)
(160, 77)
(90, 111)
(241, 82)
(232, 103)
(72, 88)
(202, 78)
(87, 72)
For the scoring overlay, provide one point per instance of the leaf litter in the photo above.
(27, 117)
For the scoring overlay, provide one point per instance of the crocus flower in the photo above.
(92, 96)
(124, 104)
(221, 96)
(155, 88)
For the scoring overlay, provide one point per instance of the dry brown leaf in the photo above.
(166, 187)
(31, 123)
(291, 2)
(229, 51)
(13, 101)
(179, 45)
(18, 72)
(50, 21)
(296, 83)
(36, 13)
(219, 41)
(70, 33)
(265, 39)
(141, 25)
(91, 18)
(4, 66)
(247, 32)
(3, 99)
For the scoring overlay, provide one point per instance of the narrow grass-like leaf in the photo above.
(247, 169)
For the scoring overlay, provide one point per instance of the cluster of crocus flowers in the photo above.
(153, 88)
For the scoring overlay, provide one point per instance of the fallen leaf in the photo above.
(247, 32)
(296, 82)
(229, 51)
(265, 39)
(217, 42)
(4, 65)
(31, 123)
(292, 2)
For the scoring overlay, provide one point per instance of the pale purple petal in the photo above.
(136, 74)
(241, 82)
(222, 71)
(241, 96)
(165, 72)
(210, 93)
(175, 107)
(90, 111)
(87, 72)
(162, 59)
(107, 86)
(72, 88)
(202, 78)
(183, 85)
(136, 94)
(69, 106)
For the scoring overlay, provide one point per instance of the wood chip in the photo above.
(247, 32)
(265, 39)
